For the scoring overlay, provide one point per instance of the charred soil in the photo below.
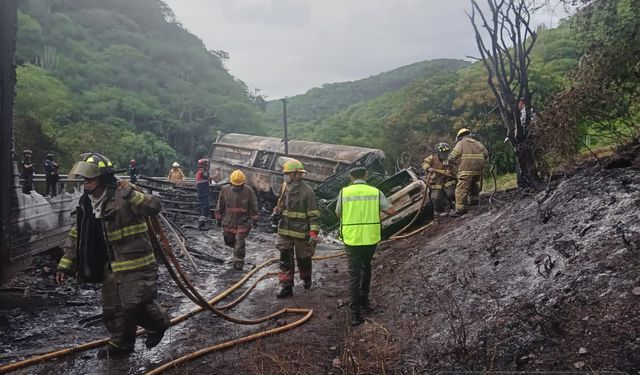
(524, 282)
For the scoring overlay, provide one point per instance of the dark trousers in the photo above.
(52, 182)
(128, 301)
(203, 204)
(27, 186)
(359, 258)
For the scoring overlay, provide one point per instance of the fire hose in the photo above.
(162, 244)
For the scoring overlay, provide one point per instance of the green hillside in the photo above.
(322, 102)
(124, 78)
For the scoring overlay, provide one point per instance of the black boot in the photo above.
(306, 283)
(356, 318)
(112, 351)
(154, 338)
(285, 291)
(365, 305)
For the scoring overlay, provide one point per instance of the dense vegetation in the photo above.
(123, 78)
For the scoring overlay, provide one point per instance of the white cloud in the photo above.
(285, 47)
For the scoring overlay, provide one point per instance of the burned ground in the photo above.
(528, 282)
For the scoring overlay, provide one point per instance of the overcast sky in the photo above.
(286, 47)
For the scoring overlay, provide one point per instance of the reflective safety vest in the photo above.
(360, 222)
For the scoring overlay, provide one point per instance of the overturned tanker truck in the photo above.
(327, 166)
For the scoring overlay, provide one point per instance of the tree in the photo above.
(505, 56)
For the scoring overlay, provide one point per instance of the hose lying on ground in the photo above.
(188, 289)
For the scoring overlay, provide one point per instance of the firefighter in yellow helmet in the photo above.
(469, 156)
(109, 244)
(298, 227)
(236, 212)
(441, 179)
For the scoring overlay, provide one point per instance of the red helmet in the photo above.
(202, 162)
(133, 161)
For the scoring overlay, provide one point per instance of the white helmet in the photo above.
(175, 164)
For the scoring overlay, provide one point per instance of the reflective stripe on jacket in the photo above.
(299, 209)
(237, 209)
(469, 155)
(124, 227)
(441, 175)
(360, 221)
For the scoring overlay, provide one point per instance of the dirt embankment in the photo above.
(536, 282)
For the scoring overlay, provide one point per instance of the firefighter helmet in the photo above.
(443, 147)
(175, 164)
(27, 152)
(462, 132)
(92, 165)
(202, 162)
(132, 161)
(237, 177)
(292, 165)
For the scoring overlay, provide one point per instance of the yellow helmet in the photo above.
(237, 177)
(292, 165)
(463, 131)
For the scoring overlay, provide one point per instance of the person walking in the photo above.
(237, 212)
(110, 244)
(27, 171)
(202, 188)
(51, 175)
(132, 170)
(358, 206)
(175, 174)
(298, 228)
(441, 180)
(469, 156)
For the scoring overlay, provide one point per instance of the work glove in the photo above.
(313, 238)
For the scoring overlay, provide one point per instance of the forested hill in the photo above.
(124, 78)
(322, 102)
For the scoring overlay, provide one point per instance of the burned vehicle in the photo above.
(327, 166)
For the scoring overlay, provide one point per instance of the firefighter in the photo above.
(202, 188)
(358, 206)
(109, 244)
(469, 156)
(132, 170)
(237, 212)
(441, 180)
(27, 172)
(51, 175)
(298, 227)
(175, 174)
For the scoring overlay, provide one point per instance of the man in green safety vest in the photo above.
(109, 244)
(358, 207)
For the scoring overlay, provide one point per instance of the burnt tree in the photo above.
(505, 54)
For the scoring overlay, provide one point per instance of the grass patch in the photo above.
(503, 182)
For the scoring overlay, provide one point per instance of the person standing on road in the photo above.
(27, 172)
(175, 174)
(51, 175)
(469, 156)
(441, 180)
(132, 170)
(358, 206)
(298, 228)
(109, 244)
(204, 195)
(237, 212)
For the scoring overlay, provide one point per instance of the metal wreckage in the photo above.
(327, 165)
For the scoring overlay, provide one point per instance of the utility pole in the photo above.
(284, 118)
(8, 22)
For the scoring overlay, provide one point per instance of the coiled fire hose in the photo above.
(189, 290)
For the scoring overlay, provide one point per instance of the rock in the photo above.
(578, 364)
(636, 291)
(583, 351)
